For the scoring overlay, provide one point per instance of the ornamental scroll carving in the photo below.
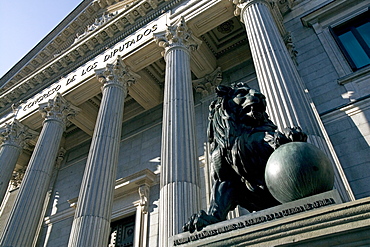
(58, 109)
(100, 21)
(16, 134)
(17, 177)
(118, 74)
(207, 85)
(177, 35)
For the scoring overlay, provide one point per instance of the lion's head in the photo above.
(236, 109)
(242, 103)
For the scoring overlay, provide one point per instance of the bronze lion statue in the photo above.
(241, 139)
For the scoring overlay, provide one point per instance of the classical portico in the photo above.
(179, 187)
(24, 220)
(91, 225)
(289, 103)
(119, 84)
(14, 137)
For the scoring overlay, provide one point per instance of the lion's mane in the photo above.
(241, 139)
(239, 143)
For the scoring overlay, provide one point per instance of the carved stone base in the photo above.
(320, 220)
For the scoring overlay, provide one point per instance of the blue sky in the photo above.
(24, 23)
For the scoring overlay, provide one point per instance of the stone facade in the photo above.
(134, 152)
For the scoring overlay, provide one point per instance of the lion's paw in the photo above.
(295, 134)
(199, 221)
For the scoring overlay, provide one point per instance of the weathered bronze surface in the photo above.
(297, 170)
(241, 139)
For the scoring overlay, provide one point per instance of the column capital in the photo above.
(17, 177)
(177, 35)
(241, 5)
(207, 85)
(58, 109)
(117, 74)
(16, 134)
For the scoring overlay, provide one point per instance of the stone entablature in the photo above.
(79, 42)
(81, 50)
(140, 141)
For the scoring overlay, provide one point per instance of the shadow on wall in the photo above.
(349, 132)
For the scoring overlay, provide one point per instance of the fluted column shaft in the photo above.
(9, 154)
(179, 190)
(276, 73)
(21, 228)
(288, 104)
(14, 136)
(91, 225)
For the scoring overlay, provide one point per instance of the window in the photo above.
(122, 232)
(353, 38)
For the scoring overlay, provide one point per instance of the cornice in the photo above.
(42, 51)
(93, 43)
(324, 13)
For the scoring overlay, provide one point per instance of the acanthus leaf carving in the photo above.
(207, 85)
(58, 109)
(17, 177)
(16, 134)
(117, 73)
(100, 21)
(177, 34)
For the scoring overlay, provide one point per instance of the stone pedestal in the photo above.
(91, 225)
(320, 220)
(179, 190)
(25, 216)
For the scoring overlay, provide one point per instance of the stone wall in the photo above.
(346, 118)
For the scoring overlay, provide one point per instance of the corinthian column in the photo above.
(14, 136)
(91, 225)
(276, 73)
(288, 104)
(179, 190)
(21, 228)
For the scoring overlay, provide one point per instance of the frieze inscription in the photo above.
(255, 221)
(124, 46)
(129, 43)
(39, 99)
